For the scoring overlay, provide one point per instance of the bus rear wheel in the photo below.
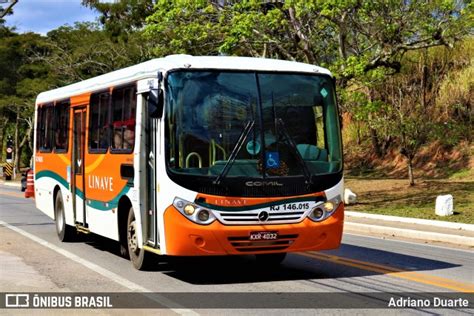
(140, 259)
(65, 232)
(271, 259)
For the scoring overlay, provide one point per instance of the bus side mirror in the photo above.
(155, 103)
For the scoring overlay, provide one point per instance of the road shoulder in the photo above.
(439, 232)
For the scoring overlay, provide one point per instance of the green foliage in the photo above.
(188, 27)
(428, 101)
(84, 51)
(363, 40)
(121, 18)
(18, 82)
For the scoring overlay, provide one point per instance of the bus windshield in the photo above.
(259, 125)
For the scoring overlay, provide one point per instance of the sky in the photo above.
(42, 16)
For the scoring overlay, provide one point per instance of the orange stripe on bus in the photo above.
(82, 99)
(247, 201)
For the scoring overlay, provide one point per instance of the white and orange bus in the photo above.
(193, 156)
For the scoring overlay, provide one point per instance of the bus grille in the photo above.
(244, 244)
(251, 217)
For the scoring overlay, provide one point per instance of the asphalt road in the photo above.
(33, 260)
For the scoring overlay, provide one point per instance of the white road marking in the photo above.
(106, 273)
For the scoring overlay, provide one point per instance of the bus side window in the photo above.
(99, 122)
(123, 118)
(39, 126)
(61, 123)
(45, 127)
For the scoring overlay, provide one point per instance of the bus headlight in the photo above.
(180, 204)
(194, 212)
(317, 214)
(189, 209)
(328, 206)
(203, 215)
(323, 211)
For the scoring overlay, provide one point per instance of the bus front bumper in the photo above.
(186, 238)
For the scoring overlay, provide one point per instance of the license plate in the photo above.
(295, 207)
(263, 235)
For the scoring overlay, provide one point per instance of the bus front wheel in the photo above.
(141, 259)
(65, 232)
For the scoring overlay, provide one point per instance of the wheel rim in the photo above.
(132, 237)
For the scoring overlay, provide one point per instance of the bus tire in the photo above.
(123, 248)
(140, 259)
(65, 232)
(271, 259)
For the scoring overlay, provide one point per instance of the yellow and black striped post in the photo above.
(8, 171)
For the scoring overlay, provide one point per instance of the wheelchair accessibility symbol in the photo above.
(272, 160)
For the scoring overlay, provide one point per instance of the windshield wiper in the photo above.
(282, 129)
(242, 137)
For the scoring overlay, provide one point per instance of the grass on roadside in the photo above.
(395, 197)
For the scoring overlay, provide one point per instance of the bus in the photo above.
(195, 156)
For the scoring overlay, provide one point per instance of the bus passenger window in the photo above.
(39, 124)
(124, 104)
(99, 122)
(61, 122)
(45, 128)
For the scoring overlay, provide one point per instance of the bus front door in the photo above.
(78, 181)
(152, 143)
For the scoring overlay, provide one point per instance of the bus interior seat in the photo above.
(311, 152)
(240, 167)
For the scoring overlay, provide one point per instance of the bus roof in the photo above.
(150, 68)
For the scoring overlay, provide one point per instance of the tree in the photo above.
(20, 82)
(352, 37)
(8, 9)
(186, 27)
(19, 85)
(121, 18)
(32, 63)
(76, 53)
(414, 116)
